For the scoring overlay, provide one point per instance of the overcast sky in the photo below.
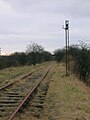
(40, 21)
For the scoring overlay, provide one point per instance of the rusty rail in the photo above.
(28, 95)
(11, 83)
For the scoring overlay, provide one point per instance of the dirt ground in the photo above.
(67, 98)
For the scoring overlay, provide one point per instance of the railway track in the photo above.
(14, 95)
(20, 78)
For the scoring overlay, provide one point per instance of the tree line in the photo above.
(34, 54)
(79, 56)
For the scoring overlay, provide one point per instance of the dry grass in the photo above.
(12, 73)
(67, 98)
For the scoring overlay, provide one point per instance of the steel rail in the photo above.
(28, 95)
(24, 76)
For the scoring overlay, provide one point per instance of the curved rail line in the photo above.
(16, 93)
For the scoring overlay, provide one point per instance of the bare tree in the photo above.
(34, 47)
(34, 53)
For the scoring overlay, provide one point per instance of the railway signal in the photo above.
(66, 28)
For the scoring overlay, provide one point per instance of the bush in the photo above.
(59, 54)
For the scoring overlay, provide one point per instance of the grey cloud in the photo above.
(80, 8)
(41, 21)
(40, 5)
(29, 23)
(77, 8)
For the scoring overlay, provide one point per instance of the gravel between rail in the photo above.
(12, 96)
